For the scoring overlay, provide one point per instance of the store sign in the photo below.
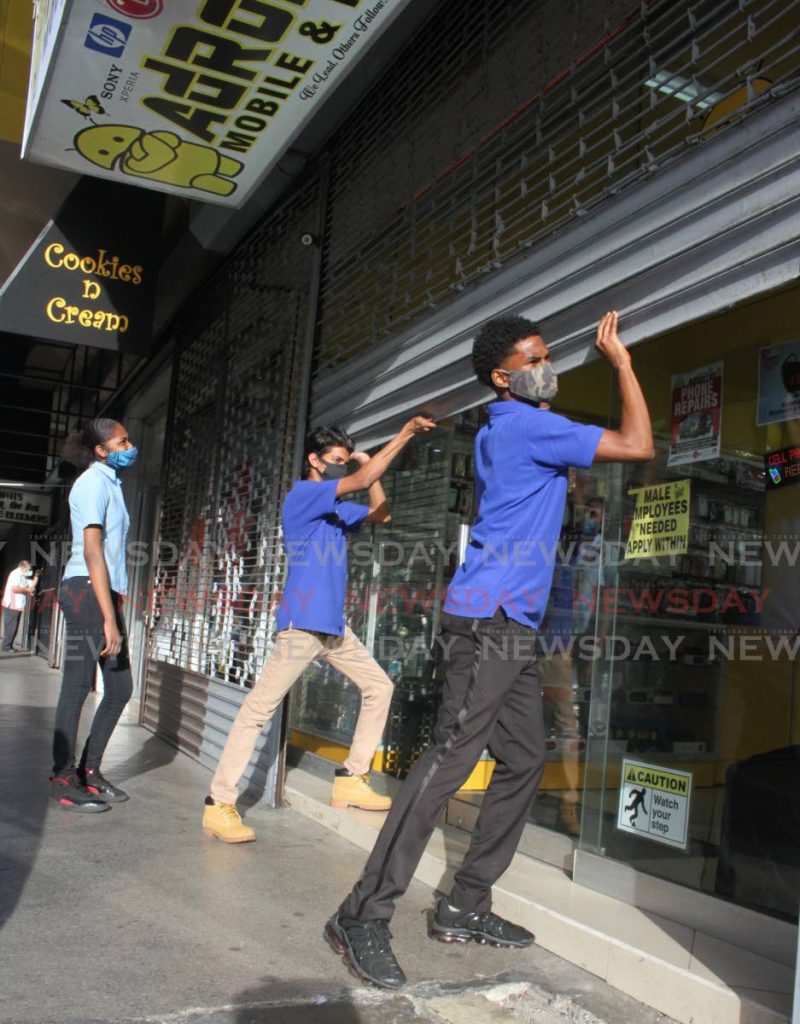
(654, 803)
(779, 383)
(660, 524)
(783, 467)
(89, 278)
(49, 15)
(198, 98)
(696, 415)
(19, 506)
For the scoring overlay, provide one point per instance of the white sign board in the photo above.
(48, 14)
(198, 98)
(654, 803)
(18, 506)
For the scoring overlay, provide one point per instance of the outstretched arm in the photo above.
(371, 471)
(633, 442)
(378, 506)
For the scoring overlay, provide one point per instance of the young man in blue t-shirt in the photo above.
(494, 606)
(310, 621)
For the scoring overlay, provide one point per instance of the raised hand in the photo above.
(608, 342)
(420, 425)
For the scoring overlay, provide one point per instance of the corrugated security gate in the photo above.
(527, 150)
(499, 129)
(532, 157)
(237, 403)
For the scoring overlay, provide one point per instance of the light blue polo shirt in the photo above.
(96, 500)
(315, 528)
(521, 460)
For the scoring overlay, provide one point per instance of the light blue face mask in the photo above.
(122, 460)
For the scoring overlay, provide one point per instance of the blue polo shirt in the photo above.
(96, 500)
(315, 528)
(521, 460)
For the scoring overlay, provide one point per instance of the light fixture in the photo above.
(689, 90)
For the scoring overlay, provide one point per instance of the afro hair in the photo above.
(495, 340)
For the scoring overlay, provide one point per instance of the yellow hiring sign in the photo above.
(660, 523)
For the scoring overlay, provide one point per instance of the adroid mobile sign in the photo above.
(198, 98)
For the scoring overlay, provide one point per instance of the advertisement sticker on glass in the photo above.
(778, 383)
(660, 521)
(654, 803)
(696, 415)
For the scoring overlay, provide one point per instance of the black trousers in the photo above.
(83, 642)
(10, 624)
(491, 699)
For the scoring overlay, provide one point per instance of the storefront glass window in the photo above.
(669, 652)
(692, 759)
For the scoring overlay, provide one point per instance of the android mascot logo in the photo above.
(158, 156)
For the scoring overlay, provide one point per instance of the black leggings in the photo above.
(84, 640)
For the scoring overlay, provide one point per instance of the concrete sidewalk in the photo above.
(135, 915)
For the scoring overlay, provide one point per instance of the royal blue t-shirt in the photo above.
(315, 528)
(521, 460)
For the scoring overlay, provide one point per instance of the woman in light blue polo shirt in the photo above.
(95, 580)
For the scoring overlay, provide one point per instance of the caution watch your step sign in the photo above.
(654, 803)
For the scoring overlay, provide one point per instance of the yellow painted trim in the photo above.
(479, 778)
(704, 773)
(318, 745)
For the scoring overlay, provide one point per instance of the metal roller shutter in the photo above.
(237, 404)
(540, 159)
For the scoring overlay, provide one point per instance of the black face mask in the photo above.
(333, 470)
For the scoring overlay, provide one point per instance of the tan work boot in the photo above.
(569, 817)
(355, 791)
(222, 821)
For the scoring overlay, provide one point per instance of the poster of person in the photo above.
(778, 383)
(696, 415)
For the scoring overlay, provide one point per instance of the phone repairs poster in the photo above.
(696, 415)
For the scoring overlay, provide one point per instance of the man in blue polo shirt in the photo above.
(310, 621)
(494, 605)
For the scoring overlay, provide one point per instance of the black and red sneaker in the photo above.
(69, 793)
(98, 785)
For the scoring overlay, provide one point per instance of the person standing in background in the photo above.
(19, 587)
(95, 581)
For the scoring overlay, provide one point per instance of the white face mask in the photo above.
(539, 384)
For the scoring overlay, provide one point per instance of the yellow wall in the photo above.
(16, 31)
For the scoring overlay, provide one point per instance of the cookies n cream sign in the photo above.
(198, 98)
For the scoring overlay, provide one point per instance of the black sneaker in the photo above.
(100, 786)
(69, 793)
(462, 925)
(364, 947)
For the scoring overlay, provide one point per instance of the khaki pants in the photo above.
(293, 652)
(555, 674)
